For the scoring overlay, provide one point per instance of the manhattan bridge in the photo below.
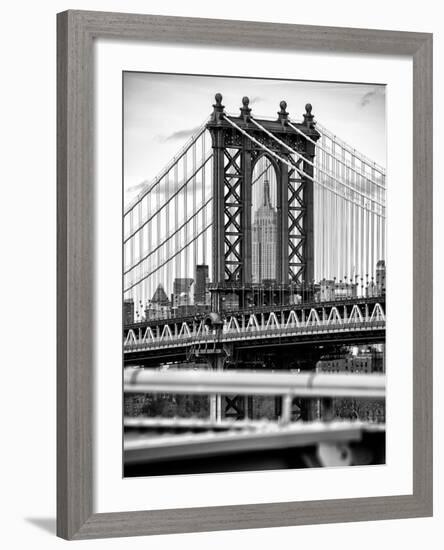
(256, 255)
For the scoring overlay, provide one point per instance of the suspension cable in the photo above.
(254, 140)
(170, 236)
(330, 154)
(291, 150)
(187, 181)
(166, 169)
(301, 172)
(332, 137)
(186, 245)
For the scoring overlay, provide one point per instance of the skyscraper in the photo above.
(201, 293)
(128, 312)
(264, 239)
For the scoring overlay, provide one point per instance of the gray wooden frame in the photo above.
(76, 31)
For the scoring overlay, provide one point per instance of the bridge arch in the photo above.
(265, 252)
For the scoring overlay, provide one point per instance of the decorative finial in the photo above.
(218, 109)
(245, 109)
(308, 117)
(282, 114)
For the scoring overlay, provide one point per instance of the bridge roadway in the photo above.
(347, 322)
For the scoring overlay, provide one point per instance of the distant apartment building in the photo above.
(133, 404)
(128, 312)
(159, 306)
(371, 290)
(182, 298)
(201, 291)
(326, 290)
(345, 290)
(330, 290)
(231, 301)
(376, 287)
(364, 361)
(368, 362)
(380, 276)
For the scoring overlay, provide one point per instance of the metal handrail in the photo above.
(282, 383)
(151, 449)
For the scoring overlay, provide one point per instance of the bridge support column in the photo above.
(287, 401)
(309, 200)
(217, 364)
(282, 273)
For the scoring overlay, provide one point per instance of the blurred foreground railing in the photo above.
(225, 436)
(311, 384)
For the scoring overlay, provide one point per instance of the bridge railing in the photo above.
(245, 435)
(253, 332)
(283, 383)
(191, 312)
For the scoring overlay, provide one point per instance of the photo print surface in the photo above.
(254, 268)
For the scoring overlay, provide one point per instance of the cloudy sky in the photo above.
(162, 111)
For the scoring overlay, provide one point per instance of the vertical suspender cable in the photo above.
(176, 225)
(142, 293)
(335, 222)
(185, 200)
(361, 239)
(342, 222)
(204, 214)
(157, 241)
(368, 235)
(144, 264)
(321, 190)
(327, 271)
(354, 229)
(378, 237)
(167, 232)
(149, 244)
(131, 262)
(372, 257)
(194, 208)
(347, 226)
(347, 222)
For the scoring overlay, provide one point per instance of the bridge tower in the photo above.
(235, 155)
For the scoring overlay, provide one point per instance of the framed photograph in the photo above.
(244, 275)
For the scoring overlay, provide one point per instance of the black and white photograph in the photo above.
(221, 265)
(254, 274)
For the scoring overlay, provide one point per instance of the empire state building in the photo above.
(264, 239)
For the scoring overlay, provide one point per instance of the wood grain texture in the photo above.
(75, 225)
(247, 33)
(423, 274)
(75, 269)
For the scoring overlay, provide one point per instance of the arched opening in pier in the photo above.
(264, 231)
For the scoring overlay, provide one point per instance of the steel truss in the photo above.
(233, 214)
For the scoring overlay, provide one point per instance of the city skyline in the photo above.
(181, 297)
(190, 296)
(254, 265)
